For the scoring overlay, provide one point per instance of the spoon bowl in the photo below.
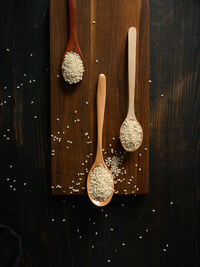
(96, 202)
(126, 148)
(101, 99)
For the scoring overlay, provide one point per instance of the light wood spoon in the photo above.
(73, 45)
(101, 100)
(132, 37)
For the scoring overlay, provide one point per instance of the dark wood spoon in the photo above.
(73, 45)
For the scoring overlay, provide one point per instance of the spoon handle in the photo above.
(72, 19)
(101, 100)
(131, 70)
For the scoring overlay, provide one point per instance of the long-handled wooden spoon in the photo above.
(131, 86)
(101, 99)
(73, 45)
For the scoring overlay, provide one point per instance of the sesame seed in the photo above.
(86, 102)
(93, 22)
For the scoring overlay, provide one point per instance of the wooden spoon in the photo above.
(101, 99)
(72, 45)
(131, 81)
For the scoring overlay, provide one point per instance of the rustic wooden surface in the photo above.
(61, 231)
(105, 41)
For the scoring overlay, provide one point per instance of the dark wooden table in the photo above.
(160, 229)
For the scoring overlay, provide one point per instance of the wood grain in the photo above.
(105, 41)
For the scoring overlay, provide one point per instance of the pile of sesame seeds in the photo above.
(131, 134)
(72, 68)
(101, 183)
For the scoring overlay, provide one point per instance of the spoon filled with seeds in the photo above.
(72, 63)
(131, 133)
(100, 185)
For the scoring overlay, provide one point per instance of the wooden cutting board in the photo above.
(102, 27)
